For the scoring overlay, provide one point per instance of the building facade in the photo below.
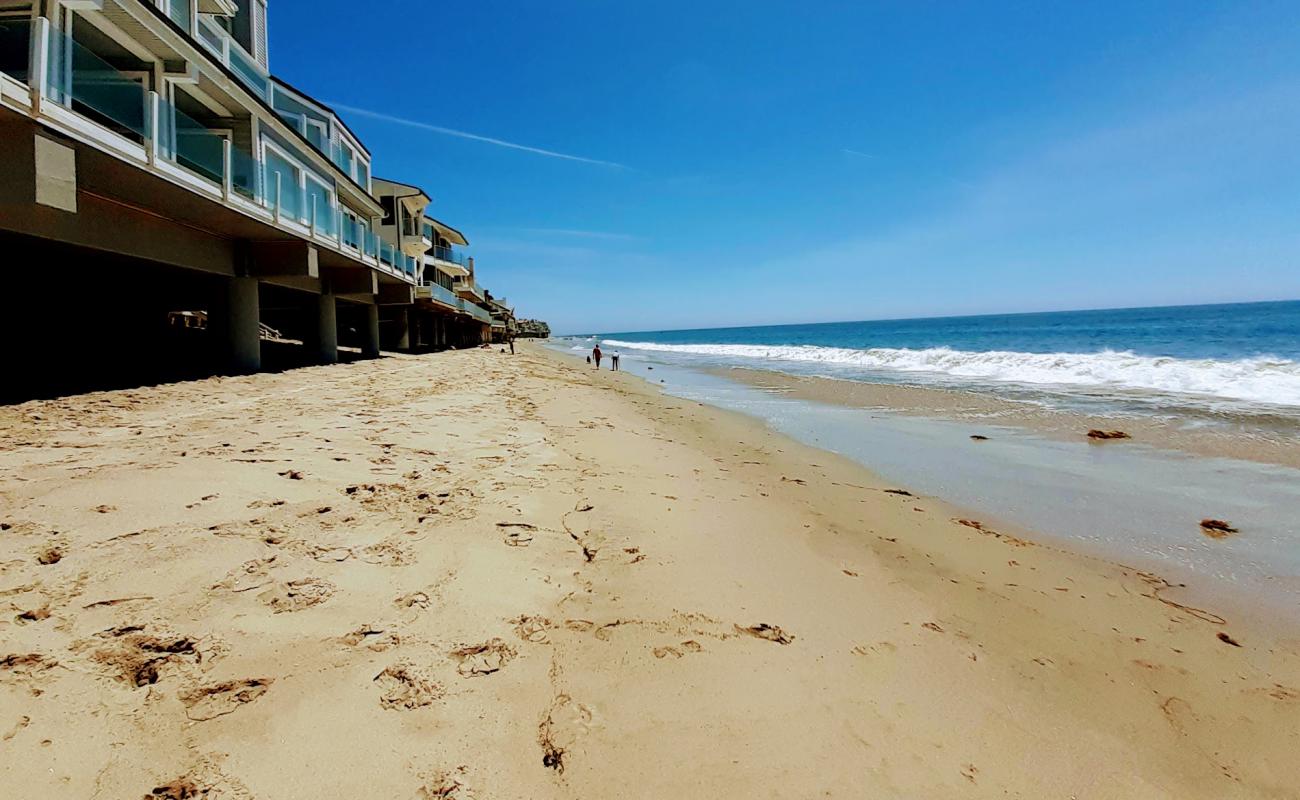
(151, 159)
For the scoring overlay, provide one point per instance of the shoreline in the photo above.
(519, 578)
(980, 408)
(1266, 601)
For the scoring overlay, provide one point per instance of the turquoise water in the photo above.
(1241, 358)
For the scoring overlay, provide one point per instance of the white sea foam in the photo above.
(1272, 381)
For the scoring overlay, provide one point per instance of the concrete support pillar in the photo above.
(403, 323)
(239, 320)
(370, 332)
(327, 329)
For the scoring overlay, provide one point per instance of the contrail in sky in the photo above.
(472, 136)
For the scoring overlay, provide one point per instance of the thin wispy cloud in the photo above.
(858, 153)
(412, 123)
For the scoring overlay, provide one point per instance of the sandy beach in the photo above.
(475, 575)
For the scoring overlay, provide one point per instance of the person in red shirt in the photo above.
(595, 353)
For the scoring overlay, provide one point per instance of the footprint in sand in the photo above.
(403, 687)
(445, 786)
(678, 650)
(518, 538)
(249, 575)
(373, 637)
(482, 659)
(138, 658)
(26, 668)
(770, 633)
(205, 781)
(420, 600)
(389, 552)
(210, 702)
(532, 629)
(566, 721)
(33, 615)
(297, 595)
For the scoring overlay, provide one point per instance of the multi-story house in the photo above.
(448, 318)
(150, 156)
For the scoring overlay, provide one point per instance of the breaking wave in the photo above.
(1261, 379)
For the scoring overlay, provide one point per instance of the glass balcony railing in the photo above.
(350, 232)
(243, 174)
(444, 295)
(387, 253)
(228, 52)
(449, 255)
(189, 143)
(81, 81)
(478, 312)
(85, 83)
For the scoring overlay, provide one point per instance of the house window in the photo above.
(317, 134)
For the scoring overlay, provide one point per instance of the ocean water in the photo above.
(1239, 358)
(1236, 366)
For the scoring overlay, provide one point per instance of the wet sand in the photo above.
(1275, 442)
(470, 575)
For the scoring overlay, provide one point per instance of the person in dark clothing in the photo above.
(613, 361)
(596, 354)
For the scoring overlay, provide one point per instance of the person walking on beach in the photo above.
(512, 344)
(595, 353)
(613, 362)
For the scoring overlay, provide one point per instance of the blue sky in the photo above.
(677, 165)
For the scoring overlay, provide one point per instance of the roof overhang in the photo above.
(413, 197)
(452, 235)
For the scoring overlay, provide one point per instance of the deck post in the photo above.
(370, 345)
(151, 142)
(241, 325)
(327, 328)
(227, 175)
(39, 68)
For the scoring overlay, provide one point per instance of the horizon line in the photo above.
(940, 316)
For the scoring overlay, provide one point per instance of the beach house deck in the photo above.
(152, 155)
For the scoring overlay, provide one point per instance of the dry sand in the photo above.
(471, 575)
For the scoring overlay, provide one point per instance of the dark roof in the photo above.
(462, 236)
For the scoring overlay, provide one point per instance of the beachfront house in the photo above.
(448, 318)
(146, 141)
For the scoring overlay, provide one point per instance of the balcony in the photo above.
(74, 91)
(229, 53)
(468, 289)
(450, 261)
(479, 313)
(414, 241)
(442, 296)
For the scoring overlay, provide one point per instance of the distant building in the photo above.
(533, 329)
